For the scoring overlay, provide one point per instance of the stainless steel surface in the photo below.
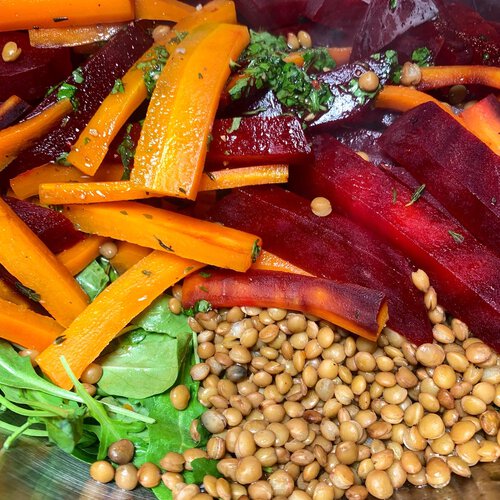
(35, 471)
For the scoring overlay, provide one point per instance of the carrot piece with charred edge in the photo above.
(10, 295)
(79, 256)
(56, 13)
(66, 193)
(128, 255)
(435, 77)
(110, 312)
(168, 231)
(405, 98)
(162, 10)
(27, 184)
(73, 36)
(89, 150)
(171, 152)
(11, 110)
(27, 328)
(483, 120)
(268, 261)
(18, 137)
(37, 268)
(353, 307)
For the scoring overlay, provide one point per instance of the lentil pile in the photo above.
(301, 409)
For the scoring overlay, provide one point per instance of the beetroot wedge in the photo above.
(330, 247)
(92, 83)
(465, 273)
(258, 141)
(353, 307)
(457, 168)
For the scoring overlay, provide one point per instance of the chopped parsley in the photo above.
(204, 274)
(416, 195)
(118, 87)
(163, 245)
(318, 58)
(179, 37)
(235, 125)
(78, 75)
(256, 249)
(393, 5)
(199, 306)
(62, 159)
(152, 68)
(457, 237)
(28, 292)
(68, 91)
(126, 150)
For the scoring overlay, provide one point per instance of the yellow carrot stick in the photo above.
(171, 151)
(93, 143)
(162, 10)
(168, 231)
(80, 255)
(127, 256)
(24, 255)
(110, 312)
(268, 261)
(27, 328)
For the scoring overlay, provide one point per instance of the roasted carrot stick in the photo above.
(79, 256)
(127, 256)
(435, 77)
(73, 36)
(7, 293)
(11, 110)
(169, 231)
(162, 10)
(27, 328)
(405, 98)
(93, 143)
(27, 184)
(37, 269)
(340, 55)
(171, 151)
(17, 137)
(110, 312)
(66, 193)
(62, 13)
(268, 261)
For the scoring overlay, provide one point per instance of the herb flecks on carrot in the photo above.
(172, 148)
(38, 270)
(80, 255)
(162, 10)
(167, 231)
(9, 294)
(93, 143)
(243, 176)
(111, 311)
(27, 328)
(59, 13)
(17, 137)
(435, 77)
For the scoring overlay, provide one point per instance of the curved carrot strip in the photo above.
(162, 10)
(37, 268)
(111, 311)
(128, 255)
(169, 231)
(93, 143)
(435, 77)
(80, 255)
(27, 328)
(405, 98)
(171, 152)
(11, 110)
(18, 137)
(7, 293)
(62, 13)
(73, 36)
(26, 184)
(268, 261)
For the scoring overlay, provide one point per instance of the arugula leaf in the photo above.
(158, 318)
(93, 279)
(201, 467)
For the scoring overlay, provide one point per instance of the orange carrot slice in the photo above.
(162, 10)
(80, 255)
(127, 256)
(435, 77)
(268, 261)
(111, 311)
(171, 151)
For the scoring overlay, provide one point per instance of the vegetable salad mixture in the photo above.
(250, 249)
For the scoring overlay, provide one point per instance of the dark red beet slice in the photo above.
(99, 75)
(331, 247)
(343, 14)
(267, 14)
(11, 110)
(258, 141)
(357, 309)
(457, 168)
(465, 273)
(52, 227)
(34, 71)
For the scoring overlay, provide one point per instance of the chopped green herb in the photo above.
(416, 195)
(78, 75)
(28, 292)
(203, 288)
(422, 56)
(68, 91)
(118, 87)
(235, 125)
(393, 4)
(152, 68)
(200, 306)
(59, 340)
(200, 76)
(148, 216)
(179, 37)
(86, 140)
(256, 249)
(146, 272)
(166, 247)
(233, 65)
(204, 274)
(126, 150)
(457, 237)
(62, 159)
(123, 212)
(236, 91)
(318, 58)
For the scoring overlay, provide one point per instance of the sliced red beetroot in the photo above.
(384, 21)
(331, 247)
(34, 71)
(258, 141)
(458, 169)
(52, 227)
(357, 309)
(11, 110)
(97, 78)
(267, 14)
(465, 273)
(343, 14)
